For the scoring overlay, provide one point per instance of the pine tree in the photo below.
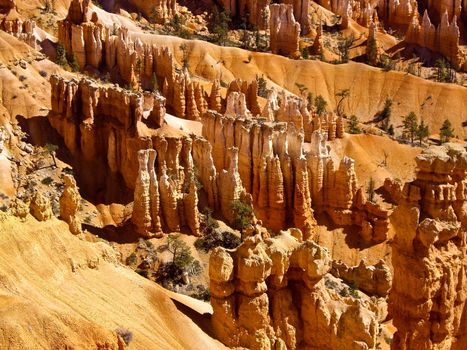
(446, 132)
(422, 132)
(320, 104)
(410, 125)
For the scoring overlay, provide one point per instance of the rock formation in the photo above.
(13, 23)
(293, 110)
(284, 31)
(250, 90)
(428, 295)
(146, 208)
(255, 11)
(373, 279)
(127, 62)
(155, 10)
(105, 127)
(286, 183)
(70, 203)
(443, 39)
(40, 207)
(270, 294)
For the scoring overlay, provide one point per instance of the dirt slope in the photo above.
(58, 291)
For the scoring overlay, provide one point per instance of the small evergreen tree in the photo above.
(309, 99)
(391, 130)
(50, 149)
(344, 46)
(181, 253)
(352, 125)
(220, 28)
(184, 49)
(342, 94)
(242, 214)
(320, 105)
(262, 86)
(61, 56)
(305, 53)
(154, 84)
(422, 132)
(410, 125)
(446, 132)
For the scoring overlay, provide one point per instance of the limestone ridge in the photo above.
(270, 294)
(428, 295)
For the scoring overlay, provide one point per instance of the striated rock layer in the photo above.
(429, 294)
(270, 294)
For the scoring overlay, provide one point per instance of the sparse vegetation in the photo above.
(61, 56)
(342, 95)
(320, 105)
(262, 86)
(242, 214)
(352, 126)
(47, 181)
(213, 238)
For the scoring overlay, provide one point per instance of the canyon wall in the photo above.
(273, 294)
(104, 127)
(429, 293)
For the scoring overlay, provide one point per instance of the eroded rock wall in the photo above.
(270, 294)
(105, 127)
(428, 296)
(443, 39)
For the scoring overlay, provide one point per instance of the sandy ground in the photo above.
(58, 291)
(369, 153)
(189, 126)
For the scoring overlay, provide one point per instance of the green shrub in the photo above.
(242, 214)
